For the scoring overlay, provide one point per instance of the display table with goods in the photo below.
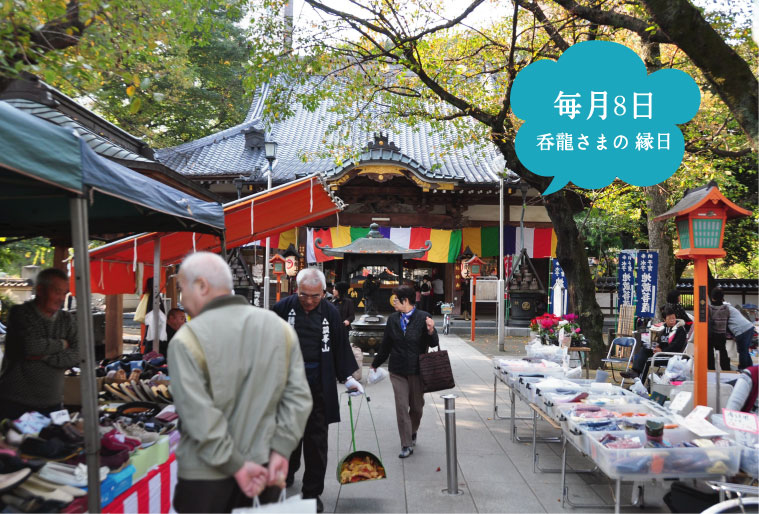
(42, 460)
(627, 437)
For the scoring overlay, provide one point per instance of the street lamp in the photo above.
(700, 219)
(270, 152)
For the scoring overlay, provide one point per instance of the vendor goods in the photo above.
(360, 468)
(11, 480)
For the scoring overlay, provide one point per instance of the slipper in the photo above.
(115, 391)
(45, 492)
(127, 390)
(46, 484)
(11, 480)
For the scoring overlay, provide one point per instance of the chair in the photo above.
(621, 350)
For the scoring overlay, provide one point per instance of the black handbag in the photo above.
(435, 370)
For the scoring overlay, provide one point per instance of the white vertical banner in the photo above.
(310, 255)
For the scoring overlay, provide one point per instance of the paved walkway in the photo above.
(494, 474)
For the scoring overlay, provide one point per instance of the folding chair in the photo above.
(621, 350)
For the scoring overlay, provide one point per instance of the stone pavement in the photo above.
(494, 474)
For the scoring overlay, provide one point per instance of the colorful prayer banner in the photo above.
(446, 244)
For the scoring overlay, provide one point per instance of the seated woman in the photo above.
(744, 396)
(672, 339)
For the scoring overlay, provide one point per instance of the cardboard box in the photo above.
(72, 389)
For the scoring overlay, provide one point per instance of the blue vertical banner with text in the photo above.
(648, 274)
(625, 278)
(557, 274)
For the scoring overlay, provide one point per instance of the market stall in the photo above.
(54, 185)
(113, 266)
(624, 435)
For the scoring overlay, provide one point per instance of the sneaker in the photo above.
(413, 439)
(630, 374)
(405, 452)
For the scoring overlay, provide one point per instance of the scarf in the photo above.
(405, 317)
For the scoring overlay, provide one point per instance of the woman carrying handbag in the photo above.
(409, 332)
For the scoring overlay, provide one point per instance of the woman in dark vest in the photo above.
(408, 333)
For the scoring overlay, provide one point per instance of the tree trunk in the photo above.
(660, 238)
(726, 71)
(660, 233)
(570, 250)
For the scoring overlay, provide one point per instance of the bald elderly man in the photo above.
(240, 390)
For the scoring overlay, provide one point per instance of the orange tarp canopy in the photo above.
(246, 220)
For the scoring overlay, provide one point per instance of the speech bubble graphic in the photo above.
(596, 115)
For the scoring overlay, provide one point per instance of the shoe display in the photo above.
(406, 451)
(35, 480)
(68, 474)
(136, 431)
(116, 392)
(117, 441)
(44, 492)
(11, 480)
(52, 449)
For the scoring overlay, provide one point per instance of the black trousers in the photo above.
(314, 448)
(216, 496)
(718, 342)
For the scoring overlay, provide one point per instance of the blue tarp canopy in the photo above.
(43, 165)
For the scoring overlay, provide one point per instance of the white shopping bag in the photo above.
(377, 376)
(294, 504)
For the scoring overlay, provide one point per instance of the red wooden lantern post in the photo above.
(475, 267)
(700, 217)
(278, 264)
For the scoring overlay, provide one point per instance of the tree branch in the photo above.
(615, 19)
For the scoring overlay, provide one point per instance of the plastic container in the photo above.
(575, 430)
(648, 463)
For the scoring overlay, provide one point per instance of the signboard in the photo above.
(744, 421)
(648, 274)
(625, 278)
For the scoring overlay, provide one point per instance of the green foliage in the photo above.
(169, 70)
(170, 108)
(16, 255)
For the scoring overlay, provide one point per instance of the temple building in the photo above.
(411, 180)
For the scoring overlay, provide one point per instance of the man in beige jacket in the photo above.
(239, 387)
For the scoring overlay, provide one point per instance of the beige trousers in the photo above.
(409, 401)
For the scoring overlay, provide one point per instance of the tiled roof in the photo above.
(98, 143)
(16, 282)
(301, 137)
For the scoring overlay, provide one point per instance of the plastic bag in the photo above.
(142, 307)
(639, 389)
(678, 368)
(377, 375)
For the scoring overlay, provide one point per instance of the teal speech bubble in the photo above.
(596, 114)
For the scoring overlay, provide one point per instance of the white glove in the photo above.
(354, 387)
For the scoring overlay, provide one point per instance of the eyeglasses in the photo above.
(315, 296)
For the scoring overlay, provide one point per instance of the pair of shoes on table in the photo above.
(406, 451)
(629, 374)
